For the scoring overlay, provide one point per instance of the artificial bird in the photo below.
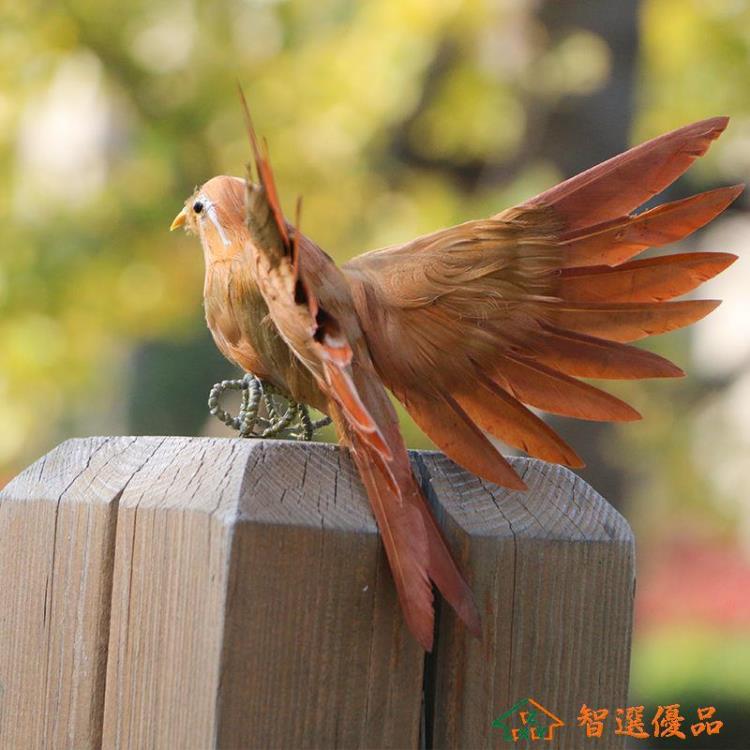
(467, 326)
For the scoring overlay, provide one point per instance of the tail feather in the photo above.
(405, 540)
(445, 573)
(648, 280)
(416, 549)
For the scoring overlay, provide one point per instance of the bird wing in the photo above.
(310, 304)
(470, 325)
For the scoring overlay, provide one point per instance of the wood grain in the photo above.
(197, 593)
(56, 552)
(553, 572)
(252, 606)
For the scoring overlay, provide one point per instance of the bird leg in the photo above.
(283, 418)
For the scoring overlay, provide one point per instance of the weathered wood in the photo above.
(251, 606)
(553, 573)
(188, 592)
(56, 551)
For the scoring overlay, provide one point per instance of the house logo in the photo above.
(528, 720)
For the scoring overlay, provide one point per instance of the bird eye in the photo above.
(197, 207)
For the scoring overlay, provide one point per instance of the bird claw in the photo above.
(284, 418)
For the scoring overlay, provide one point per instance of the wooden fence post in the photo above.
(553, 573)
(196, 593)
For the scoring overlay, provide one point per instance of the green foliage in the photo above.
(676, 664)
(112, 112)
(390, 117)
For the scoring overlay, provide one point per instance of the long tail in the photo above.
(417, 552)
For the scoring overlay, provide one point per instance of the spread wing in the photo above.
(470, 325)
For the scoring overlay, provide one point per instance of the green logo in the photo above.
(528, 720)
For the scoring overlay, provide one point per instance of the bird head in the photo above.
(215, 212)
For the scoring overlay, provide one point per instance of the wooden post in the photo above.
(195, 592)
(553, 573)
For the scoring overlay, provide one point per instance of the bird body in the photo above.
(468, 327)
(236, 312)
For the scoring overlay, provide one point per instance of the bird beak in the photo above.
(179, 220)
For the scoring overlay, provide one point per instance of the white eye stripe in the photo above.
(210, 210)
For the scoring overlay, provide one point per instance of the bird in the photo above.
(471, 328)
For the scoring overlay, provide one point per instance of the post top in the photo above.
(308, 484)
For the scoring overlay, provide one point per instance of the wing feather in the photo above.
(495, 411)
(618, 240)
(648, 280)
(628, 321)
(589, 357)
(468, 324)
(626, 181)
(456, 434)
(310, 304)
(552, 391)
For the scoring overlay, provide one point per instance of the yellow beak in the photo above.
(179, 220)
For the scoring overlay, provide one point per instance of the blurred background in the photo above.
(392, 118)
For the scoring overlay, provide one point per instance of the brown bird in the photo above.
(466, 326)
